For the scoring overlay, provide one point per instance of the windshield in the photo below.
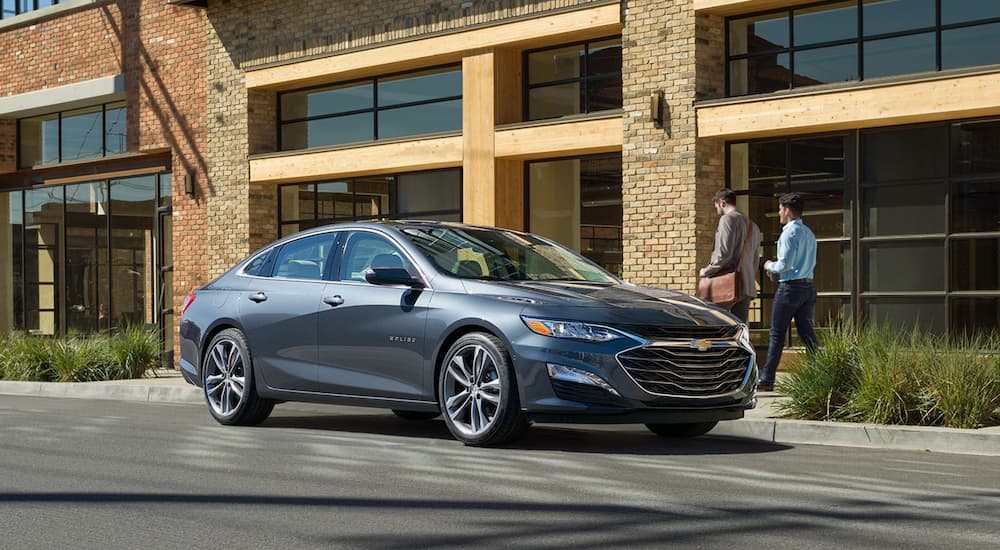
(498, 255)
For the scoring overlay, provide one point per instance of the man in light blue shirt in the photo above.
(796, 295)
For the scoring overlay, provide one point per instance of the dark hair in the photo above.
(724, 194)
(793, 202)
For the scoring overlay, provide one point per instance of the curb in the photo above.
(984, 441)
(871, 436)
(101, 390)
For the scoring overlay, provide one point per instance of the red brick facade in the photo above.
(161, 51)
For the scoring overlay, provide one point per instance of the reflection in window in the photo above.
(12, 8)
(578, 203)
(823, 43)
(573, 79)
(433, 195)
(81, 134)
(414, 103)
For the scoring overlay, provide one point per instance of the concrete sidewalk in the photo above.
(760, 423)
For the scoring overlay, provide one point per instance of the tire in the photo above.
(228, 383)
(477, 392)
(691, 429)
(416, 415)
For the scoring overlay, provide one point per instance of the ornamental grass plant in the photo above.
(131, 352)
(878, 374)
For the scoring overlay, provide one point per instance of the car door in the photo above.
(280, 309)
(371, 337)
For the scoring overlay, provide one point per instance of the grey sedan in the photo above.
(493, 328)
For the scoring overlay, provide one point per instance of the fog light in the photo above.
(578, 376)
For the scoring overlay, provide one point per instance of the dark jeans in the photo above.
(741, 309)
(794, 300)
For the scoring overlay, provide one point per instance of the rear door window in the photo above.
(306, 258)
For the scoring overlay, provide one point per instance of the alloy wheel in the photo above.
(472, 390)
(225, 377)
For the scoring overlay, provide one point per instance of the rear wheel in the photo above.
(416, 415)
(227, 379)
(690, 429)
(477, 392)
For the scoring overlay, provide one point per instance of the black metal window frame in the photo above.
(859, 39)
(59, 128)
(375, 109)
(857, 239)
(584, 79)
(21, 318)
(21, 7)
(392, 214)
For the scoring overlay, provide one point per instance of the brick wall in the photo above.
(161, 51)
(710, 159)
(241, 217)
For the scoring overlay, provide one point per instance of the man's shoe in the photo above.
(765, 386)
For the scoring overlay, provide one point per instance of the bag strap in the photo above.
(746, 242)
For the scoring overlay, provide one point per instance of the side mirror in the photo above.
(392, 276)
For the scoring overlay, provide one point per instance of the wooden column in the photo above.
(478, 115)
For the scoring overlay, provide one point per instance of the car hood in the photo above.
(616, 303)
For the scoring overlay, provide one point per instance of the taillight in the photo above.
(188, 301)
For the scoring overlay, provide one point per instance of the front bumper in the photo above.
(634, 399)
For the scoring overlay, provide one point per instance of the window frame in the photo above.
(113, 105)
(584, 79)
(34, 7)
(375, 108)
(859, 39)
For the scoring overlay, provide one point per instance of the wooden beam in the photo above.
(738, 7)
(563, 139)
(385, 158)
(529, 33)
(479, 170)
(892, 104)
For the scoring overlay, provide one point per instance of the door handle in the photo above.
(333, 300)
(259, 297)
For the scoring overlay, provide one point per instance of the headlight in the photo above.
(572, 329)
(743, 337)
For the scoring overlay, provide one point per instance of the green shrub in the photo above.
(130, 353)
(881, 375)
(135, 350)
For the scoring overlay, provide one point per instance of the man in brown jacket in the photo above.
(729, 236)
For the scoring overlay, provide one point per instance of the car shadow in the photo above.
(628, 440)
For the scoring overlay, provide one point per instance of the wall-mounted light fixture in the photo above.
(189, 183)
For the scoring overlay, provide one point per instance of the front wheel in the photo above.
(690, 429)
(227, 379)
(477, 392)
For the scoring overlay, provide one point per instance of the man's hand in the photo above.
(702, 271)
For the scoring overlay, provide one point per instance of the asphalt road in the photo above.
(109, 474)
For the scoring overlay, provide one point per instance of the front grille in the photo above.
(685, 371)
(682, 332)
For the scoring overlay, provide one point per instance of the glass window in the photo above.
(888, 16)
(826, 65)
(261, 265)
(976, 148)
(304, 258)
(975, 264)
(833, 265)
(904, 266)
(970, 46)
(904, 210)
(826, 23)
(365, 250)
(11, 251)
(39, 140)
(760, 74)
(759, 33)
(427, 192)
(963, 11)
(419, 87)
(975, 314)
(906, 154)
(579, 78)
(328, 131)
(328, 101)
(43, 214)
(86, 258)
(82, 134)
(114, 128)
(444, 116)
(133, 210)
(905, 313)
(578, 203)
(913, 53)
(975, 207)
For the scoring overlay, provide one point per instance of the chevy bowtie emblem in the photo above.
(701, 345)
